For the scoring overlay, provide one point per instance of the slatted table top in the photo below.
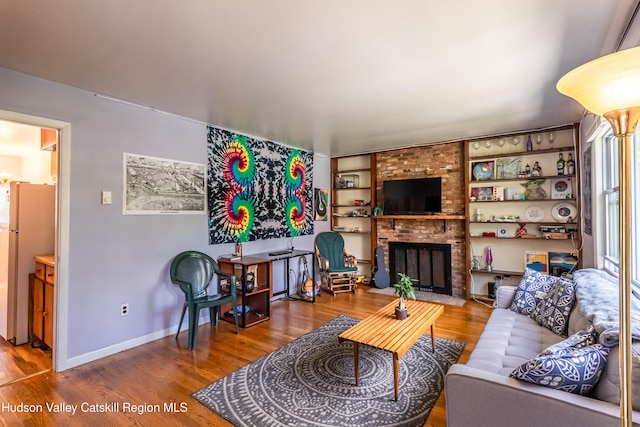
(382, 330)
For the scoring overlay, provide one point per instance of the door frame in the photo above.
(61, 250)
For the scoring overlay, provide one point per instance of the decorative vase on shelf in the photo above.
(522, 231)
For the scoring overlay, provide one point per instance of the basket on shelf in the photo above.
(556, 236)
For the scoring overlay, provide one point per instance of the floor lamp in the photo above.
(610, 87)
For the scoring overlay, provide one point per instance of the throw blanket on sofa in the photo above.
(598, 293)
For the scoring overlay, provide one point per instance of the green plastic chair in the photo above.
(193, 271)
(338, 270)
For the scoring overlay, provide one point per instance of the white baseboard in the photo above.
(125, 345)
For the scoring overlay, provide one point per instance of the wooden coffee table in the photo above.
(382, 330)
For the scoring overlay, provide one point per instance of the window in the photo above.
(610, 192)
(608, 225)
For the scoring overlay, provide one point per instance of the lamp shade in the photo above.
(610, 83)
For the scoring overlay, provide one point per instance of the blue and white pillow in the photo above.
(574, 370)
(552, 311)
(580, 339)
(533, 287)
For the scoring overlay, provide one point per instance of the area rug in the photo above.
(425, 296)
(310, 382)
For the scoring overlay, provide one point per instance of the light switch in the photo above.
(106, 197)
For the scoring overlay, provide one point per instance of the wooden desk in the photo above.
(286, 257)
(382, 330)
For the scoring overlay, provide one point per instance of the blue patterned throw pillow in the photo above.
(580, 339)
(575, 370)
(553, 310)
(533, 286)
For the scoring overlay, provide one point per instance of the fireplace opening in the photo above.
(428, 263)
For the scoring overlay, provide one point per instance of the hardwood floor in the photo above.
(19, 362)
(164, 372)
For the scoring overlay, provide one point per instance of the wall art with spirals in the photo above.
(257, 189)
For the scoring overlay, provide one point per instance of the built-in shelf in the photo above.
(510, 237)
(522, 200)
(510, 251)
(524, 222)
(522, 153)
(498, 272)
(353, 189)
(522, 178)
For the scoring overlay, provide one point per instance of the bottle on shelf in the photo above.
(529, 143)
(560, 165)
(570, 165)
(527, 170)
(537, 170)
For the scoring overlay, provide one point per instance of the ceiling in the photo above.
(334, 77)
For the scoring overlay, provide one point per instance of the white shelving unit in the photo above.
(492, 220)
(352, 203)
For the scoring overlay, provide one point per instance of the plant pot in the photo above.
(401, 314)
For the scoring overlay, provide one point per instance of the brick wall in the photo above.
(446, 161)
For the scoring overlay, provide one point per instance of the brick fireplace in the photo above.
(446, 161)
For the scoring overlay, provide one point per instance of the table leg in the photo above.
(433, 341)
(355, 360)
(395, 375)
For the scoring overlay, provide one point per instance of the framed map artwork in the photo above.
(508, 167)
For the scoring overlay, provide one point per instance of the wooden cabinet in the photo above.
(353, 198)
(508, 214)
(43, 292)
(253, 288)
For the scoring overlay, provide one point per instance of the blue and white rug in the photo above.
(311, 382)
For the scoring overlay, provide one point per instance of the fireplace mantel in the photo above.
(434, 217)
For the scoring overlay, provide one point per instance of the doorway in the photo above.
(25, 158)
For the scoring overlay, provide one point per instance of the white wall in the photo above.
(113, 258)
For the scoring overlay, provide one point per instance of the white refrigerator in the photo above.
(27, 229)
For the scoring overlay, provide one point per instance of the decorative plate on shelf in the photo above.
(482, 170)
(534, 213)
(564, 212)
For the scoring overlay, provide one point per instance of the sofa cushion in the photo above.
(571, 369)
(608, 388)
(552, 311)
(533, 286)
(509, 339)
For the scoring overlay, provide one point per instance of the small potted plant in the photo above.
(404, 289)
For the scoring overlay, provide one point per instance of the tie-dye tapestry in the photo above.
(257, 189)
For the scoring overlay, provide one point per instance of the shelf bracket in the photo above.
(393, 223)
(444, 225)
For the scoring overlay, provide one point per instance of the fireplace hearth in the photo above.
(428, 263)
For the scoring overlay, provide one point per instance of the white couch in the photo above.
(481, 393)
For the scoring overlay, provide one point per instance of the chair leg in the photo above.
(213, 315)
(235, 317)
(193, 326)
(184, 309)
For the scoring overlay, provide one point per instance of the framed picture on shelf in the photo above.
(481, 171)
(536, 260)
(561, 263)
(561, 188)
(508, 167)
(482, 194)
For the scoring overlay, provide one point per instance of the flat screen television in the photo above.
(419, 196)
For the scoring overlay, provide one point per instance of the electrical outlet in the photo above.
(124, 309)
